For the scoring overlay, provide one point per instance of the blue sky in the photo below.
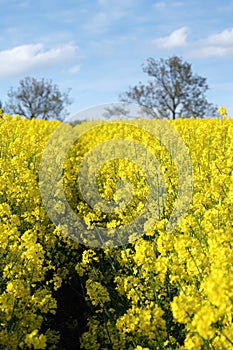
(97, 47)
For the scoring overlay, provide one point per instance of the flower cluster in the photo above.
(160, 289)
(171, 290)
(34, 257)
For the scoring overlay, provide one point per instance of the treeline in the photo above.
(172, 91)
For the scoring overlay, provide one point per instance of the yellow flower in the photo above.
(222, 111)
(97, 293)
(35, 340)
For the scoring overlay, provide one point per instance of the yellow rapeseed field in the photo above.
(159, 289)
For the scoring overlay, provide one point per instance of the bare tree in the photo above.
(37, 99)
(174, 91)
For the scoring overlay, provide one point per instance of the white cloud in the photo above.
(175, 39)
(74, 70)
(211, 51)
(23, 59)
(216, 45)
(223, 38)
